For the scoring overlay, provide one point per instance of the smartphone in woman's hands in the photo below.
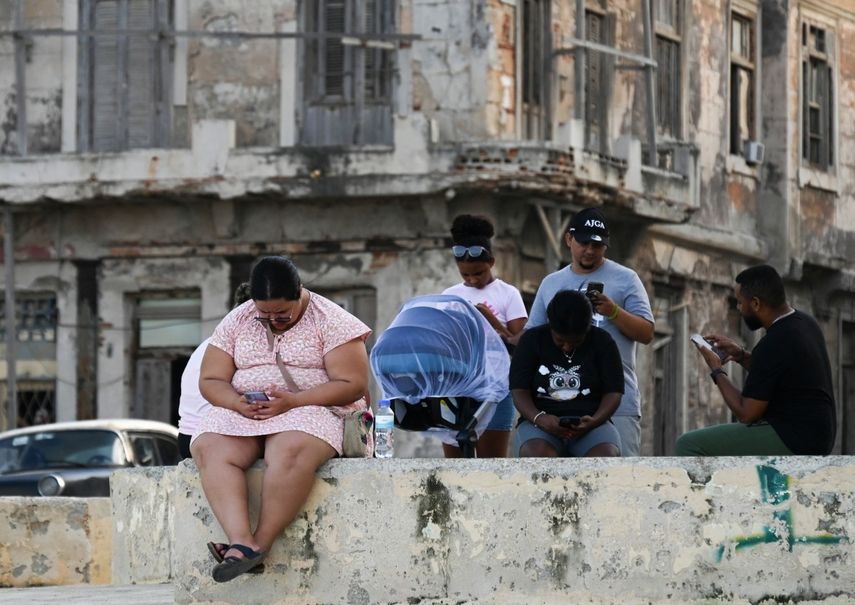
(255, 396)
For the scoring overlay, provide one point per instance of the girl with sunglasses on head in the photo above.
(502, 305)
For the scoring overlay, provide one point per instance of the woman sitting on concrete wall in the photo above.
(295, 427)
(567, 380)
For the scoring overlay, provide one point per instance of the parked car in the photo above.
(77, 458)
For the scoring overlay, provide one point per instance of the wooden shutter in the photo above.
(342, 107)
(129, 101)
(335, 53)
(105, 78)
(594, 102)
(373, 56)
(374, 124)
(829, 104)
(806, 108)
(141, 71)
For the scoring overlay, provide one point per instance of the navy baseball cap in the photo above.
(589, 225)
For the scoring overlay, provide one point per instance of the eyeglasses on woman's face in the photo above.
(276, 312)
(472, 251)
(278, 319)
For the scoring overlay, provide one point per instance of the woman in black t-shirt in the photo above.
(567, 381)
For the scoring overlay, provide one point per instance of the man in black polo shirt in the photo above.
(787, 403)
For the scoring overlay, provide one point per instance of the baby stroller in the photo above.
(443, 367)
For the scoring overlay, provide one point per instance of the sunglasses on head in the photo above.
(472, 251)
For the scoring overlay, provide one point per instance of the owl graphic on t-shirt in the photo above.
(564, 384)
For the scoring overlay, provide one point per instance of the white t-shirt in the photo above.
(192, 407)
(503, 299)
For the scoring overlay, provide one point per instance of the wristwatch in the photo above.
(716, 373)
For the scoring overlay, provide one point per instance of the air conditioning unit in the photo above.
(754, 152)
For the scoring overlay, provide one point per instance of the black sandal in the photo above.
(218, 549)
(232, 567)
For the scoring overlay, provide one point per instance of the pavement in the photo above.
(84, 594)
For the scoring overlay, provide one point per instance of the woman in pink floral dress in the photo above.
(322, 347)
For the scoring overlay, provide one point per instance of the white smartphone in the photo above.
(702, 342)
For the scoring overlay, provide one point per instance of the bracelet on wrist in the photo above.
(536, 416)
(614, 313)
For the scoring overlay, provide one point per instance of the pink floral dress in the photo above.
(323, 327)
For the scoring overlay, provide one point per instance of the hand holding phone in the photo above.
(569, 421)
(255, 396)
(594, 286)
(702, 343)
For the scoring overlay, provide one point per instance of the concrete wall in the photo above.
(143, 522)
(595, 531)
(54, 541)
(666, 530)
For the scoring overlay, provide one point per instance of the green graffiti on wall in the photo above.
(775, 490)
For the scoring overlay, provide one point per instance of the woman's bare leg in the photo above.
(603, 450)
(537, 448)
(222, 461)
(292, 458)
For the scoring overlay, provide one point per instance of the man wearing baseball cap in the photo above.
(622, 309)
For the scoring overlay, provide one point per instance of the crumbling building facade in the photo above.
(152, 149)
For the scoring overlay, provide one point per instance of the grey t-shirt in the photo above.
(623, 286)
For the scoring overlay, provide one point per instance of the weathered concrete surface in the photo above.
(53, 541)
(142, 525)
(660, 530)
(160, 594)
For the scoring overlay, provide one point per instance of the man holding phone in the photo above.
(621, 308)
(786, 405)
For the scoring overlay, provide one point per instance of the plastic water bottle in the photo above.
(384, 423)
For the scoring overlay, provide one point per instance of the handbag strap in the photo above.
(286, 375)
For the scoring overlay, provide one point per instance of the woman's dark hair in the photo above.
(765, 283)
(473, 230)
(274, 277)
(569, 313)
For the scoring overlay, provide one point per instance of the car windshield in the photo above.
(61, 449)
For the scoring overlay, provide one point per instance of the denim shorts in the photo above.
(503, 418)
(576, 448)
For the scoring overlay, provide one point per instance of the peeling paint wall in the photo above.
(44, 85)
(238, 77)
(664, 530)
(55, 541)
(451, 67)
(143, 525)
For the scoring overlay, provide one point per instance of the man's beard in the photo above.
(752, 322)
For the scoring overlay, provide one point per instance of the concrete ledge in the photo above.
(54, 541)
(142, 524)
(656, 530)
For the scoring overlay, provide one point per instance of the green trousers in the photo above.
(734, 439)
